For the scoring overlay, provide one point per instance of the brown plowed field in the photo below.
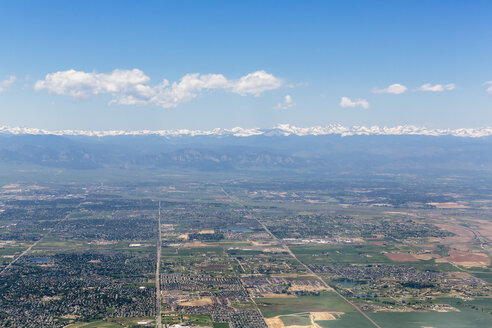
(397, 257)
(469, 259)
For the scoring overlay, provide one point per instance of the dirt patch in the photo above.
(316, 316)
(51, 298)
(263, 243)
(460, 247)
(397, 257)
(469, 259)
(378, 242)
(485, 229)
(95, 261)
(427, 257)
(200, 302)
(274, 322)
(411, 214)
(461, 234)
(307, 287)
(184, 236)
(70, 316)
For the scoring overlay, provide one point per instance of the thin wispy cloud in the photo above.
(489, 89)
(7, 83)
(132, 87)
(288, 102)
(395, 89)
(437, 87)
(346, 102)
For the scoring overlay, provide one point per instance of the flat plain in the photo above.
(243, 252)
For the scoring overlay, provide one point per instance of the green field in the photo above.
(96, 324)
(221, 325)
(327, 301)
(467, 317)
(487, 276)
(291, 320)
(113, 323)
(199, 320)
(360, 254)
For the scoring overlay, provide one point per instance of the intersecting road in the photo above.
(299, 261)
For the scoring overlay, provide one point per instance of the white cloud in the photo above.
(287, 103)
(256, 83)
(186, 89)
(83, 85)
(6, 83)
(346, 102)
(131, 87)
(437, 87)
(395, 89)
(489, 89)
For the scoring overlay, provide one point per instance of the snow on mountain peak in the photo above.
(278, 130)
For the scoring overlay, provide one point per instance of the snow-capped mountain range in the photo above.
(279, 130)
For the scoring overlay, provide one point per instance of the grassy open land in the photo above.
(193, 251)
(240, 252)
(95, 324)
(348, 320)
(76, 215)
(147, 247)
(233, 243)
(113, 323)
(56, 242)
(220, 325)
(430, 265)
(360, 254)
(326, 301)
(466, 318)
(479, 304)
(487, 276)
(300, 320)
(7, 252)
(340, 254)
(199, 320)
(291, 310)
(476, 313)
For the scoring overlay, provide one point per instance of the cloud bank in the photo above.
(395, 89)
(132, 87)
(346, 102)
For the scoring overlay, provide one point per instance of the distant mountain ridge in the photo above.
(279, 130)
(332, 149)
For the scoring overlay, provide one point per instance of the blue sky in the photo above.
(101, 64)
